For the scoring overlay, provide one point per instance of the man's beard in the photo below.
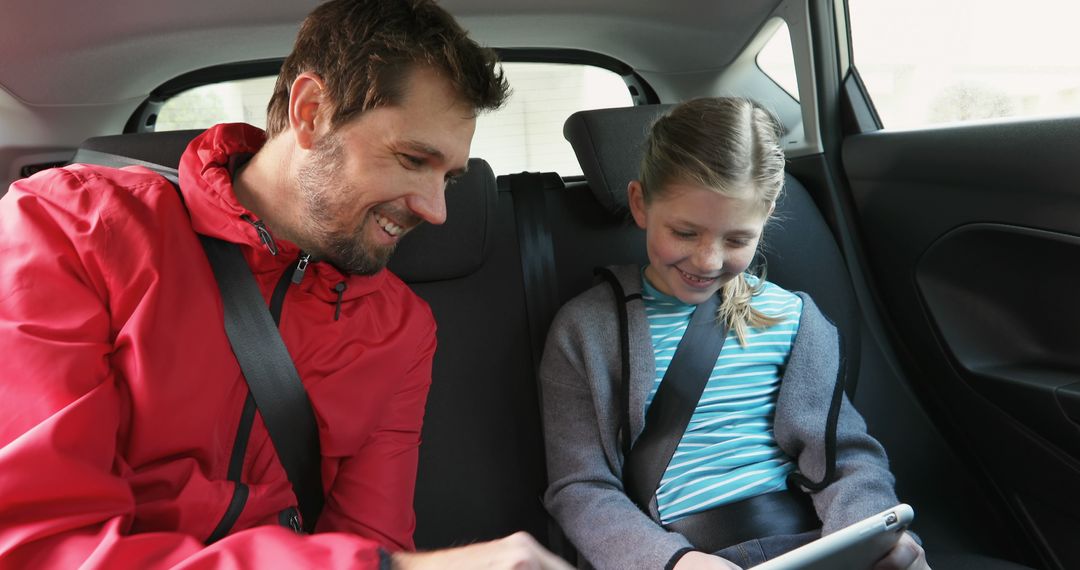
(322, 189)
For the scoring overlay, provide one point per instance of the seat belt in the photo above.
(674, 403)
(264, 359)
(537, 256)
(271, 375)
(537, 253)
(770, 514)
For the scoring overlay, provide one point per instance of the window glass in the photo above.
(526, 134)
(778, 61)
(927, 62)
(242, 101)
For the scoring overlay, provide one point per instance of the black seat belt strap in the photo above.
(770, 514)
(674, 403)
(537, 256)
(537, 253)
(274, 382)
(267, 367)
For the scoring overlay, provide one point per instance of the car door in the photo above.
(969, 232)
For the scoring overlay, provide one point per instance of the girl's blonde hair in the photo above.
(732, 146)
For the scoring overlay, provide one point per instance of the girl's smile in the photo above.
(697, 239)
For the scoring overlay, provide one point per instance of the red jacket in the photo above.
(120, 397)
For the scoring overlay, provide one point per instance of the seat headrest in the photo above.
(460, 246)
(164, 148)
(609, 144)
(428, 253)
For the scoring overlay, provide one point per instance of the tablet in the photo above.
(856, 547)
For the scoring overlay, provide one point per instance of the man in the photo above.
(119, 438)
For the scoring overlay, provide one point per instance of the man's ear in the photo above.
(636, 197)
(308, 107)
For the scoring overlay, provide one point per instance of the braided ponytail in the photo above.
(736, 310)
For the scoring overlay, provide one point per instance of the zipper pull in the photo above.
(264, 234)
(290, 518)
(340, 289)
(294, 523)
(301, 267)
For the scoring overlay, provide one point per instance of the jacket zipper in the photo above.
(268, 240)
(301, 267)
(263, 232)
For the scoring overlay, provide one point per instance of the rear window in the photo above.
(525, 135)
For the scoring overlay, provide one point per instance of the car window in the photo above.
(524, 135)
(778, 62)
(926, 62)
(241, 101)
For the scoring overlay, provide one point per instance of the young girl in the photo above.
(711, 174)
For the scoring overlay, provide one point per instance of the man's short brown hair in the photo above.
(364, 49)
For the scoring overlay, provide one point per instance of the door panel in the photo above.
(1007, 343)
(972, 237)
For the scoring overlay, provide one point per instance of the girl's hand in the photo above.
(700, 561)
(906, 555)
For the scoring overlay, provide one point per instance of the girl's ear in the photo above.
(636, 196)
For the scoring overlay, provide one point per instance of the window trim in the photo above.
(144, 118)
(641, 93)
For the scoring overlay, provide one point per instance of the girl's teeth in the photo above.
(694, 277)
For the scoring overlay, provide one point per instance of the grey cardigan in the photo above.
(579, 376)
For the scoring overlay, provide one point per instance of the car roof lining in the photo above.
(139, 46)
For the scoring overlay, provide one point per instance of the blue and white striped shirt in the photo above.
(728, 452)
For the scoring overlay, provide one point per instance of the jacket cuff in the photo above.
(676, 557)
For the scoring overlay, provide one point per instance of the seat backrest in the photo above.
(164, 148)
(482, 465)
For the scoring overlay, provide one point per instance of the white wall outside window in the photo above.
(778, 61)
(929, 62)
(525, 135)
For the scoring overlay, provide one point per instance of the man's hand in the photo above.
(906, 555)
(518, 551)
(700, 561)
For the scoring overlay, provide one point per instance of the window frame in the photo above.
(144, 118)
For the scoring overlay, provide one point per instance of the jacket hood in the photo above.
(206, 184)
